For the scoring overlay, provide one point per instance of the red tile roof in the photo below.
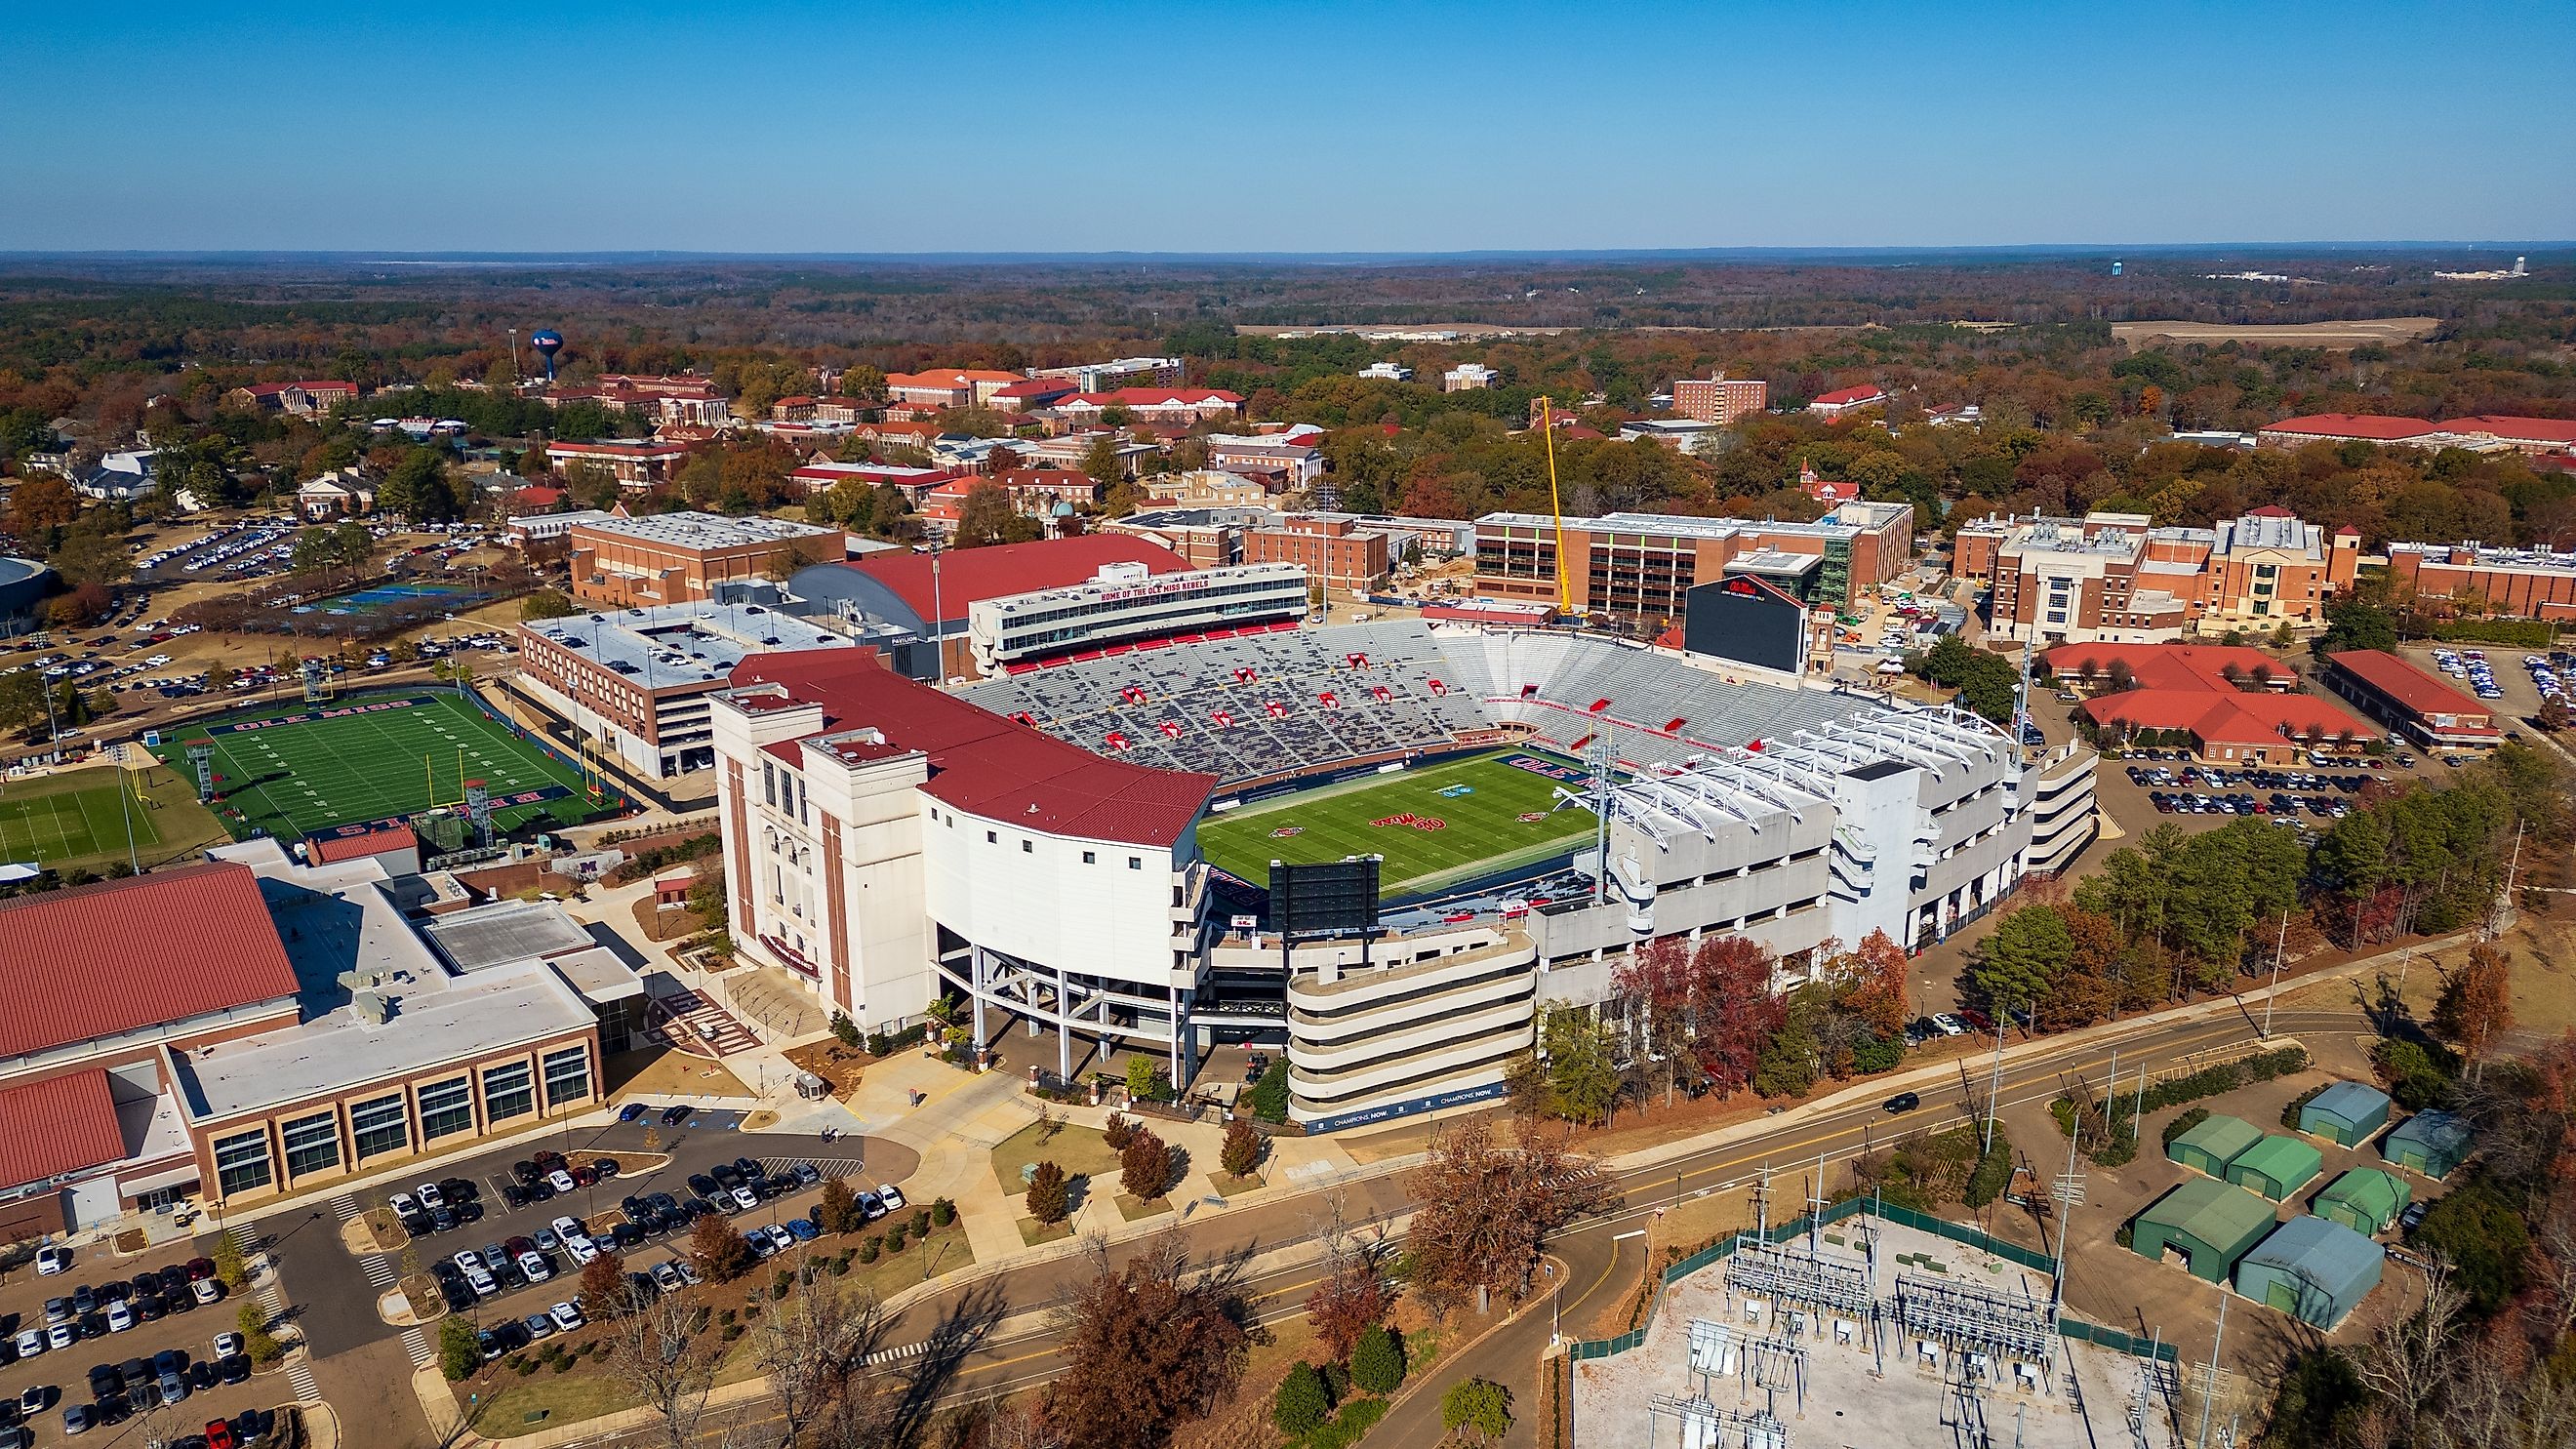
(968, 574)
(2528, 430)
(2233, 717)
(2406, 684)
(982, 764)
(59, 1125)
(2165, 666)
(1152, 397)
(2365, 427)
(97, 961)
(1845, 396)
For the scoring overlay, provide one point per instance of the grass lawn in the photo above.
(1137, 1209)
(586, 1391)
(80, 818)
(1032, 1232)
(292, 769)
(1435, 826)
(1080, 1151)
(1228, 1185)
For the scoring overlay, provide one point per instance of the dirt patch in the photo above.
(373, 1231)
(662, 1071)
(132, 1240)
(1229, 1185)
(1033, 1232)
(1137, 1209)
(842, 1066)
(421, 1291)
(2333, 336)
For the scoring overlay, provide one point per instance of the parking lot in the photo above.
(338, 1291)
(2309, 799)
(212, 1385)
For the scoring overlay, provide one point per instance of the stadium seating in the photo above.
(1270, 706)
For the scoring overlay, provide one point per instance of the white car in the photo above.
(781, 1240)
(471, 1261)
(566, 1316)
(31, 1342)
(580, 1249)
(892, 1197)
(227, 1344)
(745, 1199)
(536, 1267)
(50, 1261)
(403, 1204)
(119, 1318)
(561, 1181)
(431, 1198)
(62, 1335)
(482, 1282)
(206, 1290)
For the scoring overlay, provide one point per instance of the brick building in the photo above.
(1637, 566)
(636, 464)
(2410, 701)
(2115, 577)
(2527, 583)
(679, 558)
(637, 681)
(1333, 551)
(1718, 398)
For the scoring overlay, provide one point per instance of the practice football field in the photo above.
(1438, 826)
(302, 768)
(81, 818)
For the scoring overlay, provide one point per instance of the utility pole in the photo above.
(2209, 1386)
(2279, 945)
(514, 357)
(2068, 1192)
(1995, 1085)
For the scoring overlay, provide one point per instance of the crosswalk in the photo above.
(380, 1273)
(416, 1343)
(299, 1370)
(853, 1168)
(895, 1355)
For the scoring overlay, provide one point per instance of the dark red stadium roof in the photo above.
(968, 574)
(982, 763)
(358, 844)
(97, 961)
(61, 1124)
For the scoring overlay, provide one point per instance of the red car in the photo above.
(219, 1435)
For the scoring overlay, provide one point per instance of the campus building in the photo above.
(315, 1034)
(2235, 705)
(2411, 702)
(1638, 566)
(682, 558)
(1114, 374)
(2116, 578)
(1720, 399)
(2525, 583)
(636, 681)
(1335, 552)
(637, 466)
(1127, 604)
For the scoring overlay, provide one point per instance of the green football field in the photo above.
(305, 768)
(82, 818)
(1438, 826)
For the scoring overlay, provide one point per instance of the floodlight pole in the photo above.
(2209, 1386)
(1995, 1085)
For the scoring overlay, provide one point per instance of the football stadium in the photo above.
(1084, 848)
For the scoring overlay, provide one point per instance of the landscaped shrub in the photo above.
(942, 1212)
(1377, 1360)
(894, 1239)
(1117, 1132)
(871, 1248)
(1301, 1403)
(1993, 1173)
(2298, 1104)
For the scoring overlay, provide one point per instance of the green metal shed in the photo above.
(2365, 1200)
(2346, 1113)
(2431, 1143)
(2277, 1167)
(2213, 1144)
(2312, 1269)
(2209, 1223)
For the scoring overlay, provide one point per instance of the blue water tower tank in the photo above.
(547, 342)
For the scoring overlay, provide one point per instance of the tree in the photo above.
(547, 604)
(1302, 1403)
(716, 1247)
(1269, 1095)
(814, 1346)
(1870, 984)
(1148, 1345)
(655, 1350)
(1142, 1073)
(603, 1286)
(1349, 1302)
(1050, 1199)
(839, 1210)
(2021, 960)
(229, 1268)
(418, 489)
(39, 506)
(1479, 1407)
(1145, 1166)
(2476, 1004)
(987, 517)
(2356, 623)
(92, 550)
(460, 1352)
(1582, 1070)
(1101, 463)
(1487, 1209)
(1377, 1360)
(260, 1345)
(1241, 1150)
(863, 381)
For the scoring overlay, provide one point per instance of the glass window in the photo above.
(379, 1127)
(768, 783)
(507, 1092)
(241, 1162)
(446, 1108)
(312, 1144)
(567, 1075)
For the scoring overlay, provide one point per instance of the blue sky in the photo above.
(759, 127)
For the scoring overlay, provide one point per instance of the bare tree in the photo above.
(654, 1349)
(2410, 1361)
(814, 1346)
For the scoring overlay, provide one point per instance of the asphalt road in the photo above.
(1596, 1262)
(335, 1300)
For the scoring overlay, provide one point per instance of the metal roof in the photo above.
(2333, 1257)
(2349, 1102)
(2212, 1212)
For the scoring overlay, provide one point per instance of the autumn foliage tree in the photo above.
(1050, 1200)
(1487, 1208)
(1241, 1150)
(1705, 1009)
(2476, 1004)
(1145, 1166)
(1148, 1345)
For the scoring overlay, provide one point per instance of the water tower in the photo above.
(548, 342)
